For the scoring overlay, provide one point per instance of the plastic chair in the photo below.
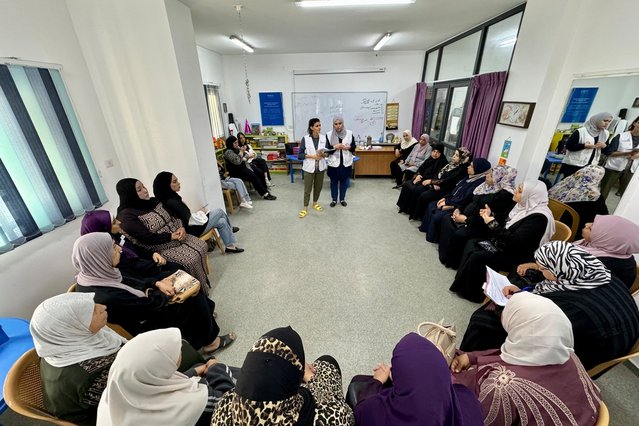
(562, 232)
(23, 390)
(15, 340)
(604, 415)
(600, 368)
(115, 327)
(558, 209)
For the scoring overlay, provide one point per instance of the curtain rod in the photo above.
(340, 71)
(12, 60)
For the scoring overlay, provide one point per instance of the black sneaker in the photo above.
(343, 203)
(235, 229)
(270, 197)
(333, 203)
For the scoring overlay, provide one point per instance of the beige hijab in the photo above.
(539, 333)
(534, 199)
(145, 388)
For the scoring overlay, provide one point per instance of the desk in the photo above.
(375, 162)
(293, 159)
(20, 341)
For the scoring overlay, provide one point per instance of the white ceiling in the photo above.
(279, 26)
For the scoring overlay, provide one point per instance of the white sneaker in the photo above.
(246, 205)
(269, 184)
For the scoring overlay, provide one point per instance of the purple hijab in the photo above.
(422, 392)
(100, 221)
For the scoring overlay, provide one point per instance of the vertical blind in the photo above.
(47, 177)
(215, 114)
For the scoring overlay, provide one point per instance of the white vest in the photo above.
(625, 145)
(580, 158)
(308, 165)
(333, 159)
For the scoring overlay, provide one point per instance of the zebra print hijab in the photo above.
(574, 268)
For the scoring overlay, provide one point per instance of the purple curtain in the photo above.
(486, 92)
(419, 110)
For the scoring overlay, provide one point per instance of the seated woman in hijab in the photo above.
(139, 304)
(535, 377)
(429, 170)
(147, 224)
(235, 159)
(277, 387)
(497, 193)
(401, 152)
(151, 266)
(613, 240)
(441, 210)
(404, 170)
(530, 224)
(144, 386)
(581, 192)
(420, 393)
(76, 351)
(603, 314)
(257, 164)
(446, 180)
(166, 187)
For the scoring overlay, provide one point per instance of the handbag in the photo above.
(185, 286)
(440, 335)
(488, 246)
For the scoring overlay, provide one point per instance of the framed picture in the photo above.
(635, 104)
(516, 114)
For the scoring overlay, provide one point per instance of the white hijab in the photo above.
(61, 335)
(407, 144)
(145, 388)
(534, 199)
(539, 333)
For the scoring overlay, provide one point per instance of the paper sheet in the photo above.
(494, 285)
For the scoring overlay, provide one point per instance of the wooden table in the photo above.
(374, 162)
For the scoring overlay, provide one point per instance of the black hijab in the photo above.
(162, 187)
(129, 196)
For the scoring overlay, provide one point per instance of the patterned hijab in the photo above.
(422, 391)
(583, 185)
(534, 199)
(611, 236)
(129, 196)
(539, 333)
(503, 178)
(267, 391)
(592, 125)
(464, 157)
(92, 257)
(144, 387)
(61, 335)
(574, 268)
(411, 141)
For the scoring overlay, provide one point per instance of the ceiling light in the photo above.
(335, 3)
(244, 45)
(382, 41)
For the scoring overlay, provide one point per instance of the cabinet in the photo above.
(272, 149)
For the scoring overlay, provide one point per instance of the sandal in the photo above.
(303, 214)
(225, 341)
(318, 207)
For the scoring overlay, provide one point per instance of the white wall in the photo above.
(274, 73)
(41, 30)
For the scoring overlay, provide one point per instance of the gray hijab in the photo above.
(335, 137)
(592, 125)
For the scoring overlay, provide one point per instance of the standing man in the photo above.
(340, 162)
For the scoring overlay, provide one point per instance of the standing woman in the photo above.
(257, 164)
(401, 152)
(621, 152)
(340, 162)
(585, 144)
(313, 154)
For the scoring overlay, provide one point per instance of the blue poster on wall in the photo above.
(271, 108)
(579, 103)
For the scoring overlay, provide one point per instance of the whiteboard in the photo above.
(364, 112)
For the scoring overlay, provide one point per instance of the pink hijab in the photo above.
(612, 236)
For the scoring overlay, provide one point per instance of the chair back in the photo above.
(604, 415)
(600, 368)
(634, 290)
(562, 232)
(23, 389)
(558, 209)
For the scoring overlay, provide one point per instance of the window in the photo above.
(447, 103)
(499, 45)
(47, 177)
(458, 58)
(215, 112)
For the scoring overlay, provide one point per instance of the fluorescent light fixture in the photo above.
(244, 45)
(382, 41)
(336, 3)
(507, 41)
(340, 71)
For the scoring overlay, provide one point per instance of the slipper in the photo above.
(318, 207)
(303, 214)
(225, 341)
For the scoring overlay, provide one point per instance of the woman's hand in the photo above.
(486, 214)
(166, 287)
(204, 368)
(458, 217)
(509, 290)
(460, 363)
(441, 203)
(157, 258)
(309, 372)
(521, 269)
(397, 153)
(426, 182)
(179, 234)
(437, 187)
(417, 179)
(382, 372)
